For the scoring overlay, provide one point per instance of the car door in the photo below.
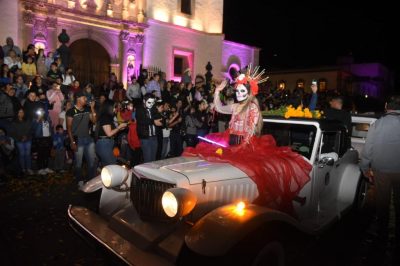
(326, 175)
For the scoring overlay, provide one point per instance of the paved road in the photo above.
(34, 229)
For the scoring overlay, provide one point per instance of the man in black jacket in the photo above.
(146, 130)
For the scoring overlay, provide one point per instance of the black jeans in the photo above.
(385, 183)
(42, 146)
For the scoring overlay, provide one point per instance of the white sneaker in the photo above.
(42, 172)
(30, 172)
(49, 171)
(80, 185)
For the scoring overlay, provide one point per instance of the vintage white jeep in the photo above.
(186, 210)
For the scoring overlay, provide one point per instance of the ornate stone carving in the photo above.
(91, 5)
(51, 22)
(139, 38)
(124, 35)
(28, 17)
(40, 30)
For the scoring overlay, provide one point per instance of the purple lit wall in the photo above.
(238, 56)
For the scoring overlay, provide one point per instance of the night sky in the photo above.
(297, 35)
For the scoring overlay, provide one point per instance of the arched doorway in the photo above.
(90, 62)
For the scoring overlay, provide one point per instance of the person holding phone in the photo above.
(106, 133)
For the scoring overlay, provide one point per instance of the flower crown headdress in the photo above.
(252, 77)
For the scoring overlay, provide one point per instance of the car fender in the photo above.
(218, 231)
(93, 185)
(112, 200)
(348, 186)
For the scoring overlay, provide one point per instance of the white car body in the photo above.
(208, 230)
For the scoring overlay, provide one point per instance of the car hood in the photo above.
(194, 169)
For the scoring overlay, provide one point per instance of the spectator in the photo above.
(7, 152)
(11, 47)
(335, 112)
(32, 105)
(13, 61)
(380, 163)
(15, 102)
(20, 88)
(106, 133)
(154, 86)
(119, 93)
(133, 93)
(78, 121)
(30, 52)
(22, 133)
(62, 116)
(5, 75)
(55, 98)
(191, 127)
(42, 141)
(53, 73)
(146, 128)
(37, 86)
(41, 64)
(59, 149)
(29, 68)
(68, 77)
(88, 91)
(49, 60)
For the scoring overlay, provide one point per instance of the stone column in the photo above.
(139, 52)
(29, 20)
(124, 46)
(51, 24)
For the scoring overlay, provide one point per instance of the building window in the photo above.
(182, 60)
(178, 65)
(186, 7)
(322, 85)
(130, 69)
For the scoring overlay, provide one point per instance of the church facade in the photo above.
(122, 35)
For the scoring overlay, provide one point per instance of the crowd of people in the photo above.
(49, 119)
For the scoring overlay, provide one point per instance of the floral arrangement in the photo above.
(290, 111)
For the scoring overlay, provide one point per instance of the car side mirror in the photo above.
(329, 161)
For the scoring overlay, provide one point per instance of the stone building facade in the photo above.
(170, 35)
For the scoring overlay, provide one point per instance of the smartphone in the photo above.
(314, 82)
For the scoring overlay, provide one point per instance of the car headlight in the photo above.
(178, 202)
(113, 175)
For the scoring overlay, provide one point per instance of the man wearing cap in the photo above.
(380, 163)
(78, 122)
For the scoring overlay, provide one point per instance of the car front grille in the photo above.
(146, 197)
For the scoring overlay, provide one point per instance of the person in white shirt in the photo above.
(68, 77)
(134, 93)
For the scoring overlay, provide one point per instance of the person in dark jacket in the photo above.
(380, 163)
(32, 105)
(22, 133)
(146, 128)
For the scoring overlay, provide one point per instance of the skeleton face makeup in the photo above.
(241, 93)
(150, 102)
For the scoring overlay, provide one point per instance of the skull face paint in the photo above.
(150, 102)
(241, 93)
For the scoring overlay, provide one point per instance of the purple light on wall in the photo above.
(236, 55)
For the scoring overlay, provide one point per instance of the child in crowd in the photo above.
(59, 149)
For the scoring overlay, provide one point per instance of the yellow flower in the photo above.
(219, 151)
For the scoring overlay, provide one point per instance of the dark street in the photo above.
(35, 230)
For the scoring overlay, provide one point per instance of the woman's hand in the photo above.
(122, 126)
(221, 86)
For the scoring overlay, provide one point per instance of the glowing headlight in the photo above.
(178, 202)
(113, 175)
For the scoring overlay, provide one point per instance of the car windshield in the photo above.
(299, 137)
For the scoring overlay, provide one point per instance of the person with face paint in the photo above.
(246, 120)
(146, 128)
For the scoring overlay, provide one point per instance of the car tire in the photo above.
(360, 200)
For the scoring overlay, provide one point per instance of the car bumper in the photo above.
(89, 224)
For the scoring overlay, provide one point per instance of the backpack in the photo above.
(6, 106)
